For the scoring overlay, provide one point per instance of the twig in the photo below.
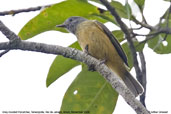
(165, 37)
(144, 24)
(8, 33)
(158, 29)
(166, 30)
(144, 41)
(168, 15)
(152, 34)
(143, 79)
(136, 28)
(4, 52)
(167, 21)
(143, 17)
(111, 77)
(14, 12)
(127, 33)
(163, 16)
(161, 30)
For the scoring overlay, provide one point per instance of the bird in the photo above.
(96, 39)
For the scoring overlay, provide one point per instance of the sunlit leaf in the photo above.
(159, 46)
(128, 53)
(122, 10)
(161, 43)
(140, 3)
(90, 92)
(128, 10)
(139, 47)
(60, 66)
(104, 17)
(119, 35)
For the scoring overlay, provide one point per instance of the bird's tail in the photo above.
(132, 84)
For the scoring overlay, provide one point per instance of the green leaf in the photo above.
(167, 21)
(90, 92)
(56, 14)
(119, 35)
(97, 17)
(104, 17)
(128, 53)
(140, 3)
(159, 46)
(60, 66)
(165, 14)
(122, 10)
(128, 10)
(156, 43)
(139, 47)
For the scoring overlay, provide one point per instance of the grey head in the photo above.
(71, 23)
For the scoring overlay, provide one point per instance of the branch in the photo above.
(152, 35)
(128, 36)
(112, 78)
(14, 12)
(167, 20)
(72, 53)
(143, 79)
(156, 29)
(144, 24)
(4, 52)
(165, 30)
(7, 32)
(147, 35)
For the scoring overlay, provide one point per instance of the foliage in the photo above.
(61, 65)
(92, 92)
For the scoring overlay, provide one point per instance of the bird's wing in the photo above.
(114, 41)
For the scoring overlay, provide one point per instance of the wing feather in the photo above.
(114, 41)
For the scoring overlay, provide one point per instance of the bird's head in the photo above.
(71, 23)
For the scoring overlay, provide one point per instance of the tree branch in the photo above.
(4, 52)
(146, 35)
(14, 12)
(143, 78)
(165, 30)
(111, 77)
(152, 35)
(144, 24)
(7, 32)
(167, 21)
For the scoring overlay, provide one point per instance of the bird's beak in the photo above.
(61, 25)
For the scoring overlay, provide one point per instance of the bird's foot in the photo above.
(86, 50)
(91, 68)
(103, 61)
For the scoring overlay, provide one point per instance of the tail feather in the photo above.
(133, 84)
